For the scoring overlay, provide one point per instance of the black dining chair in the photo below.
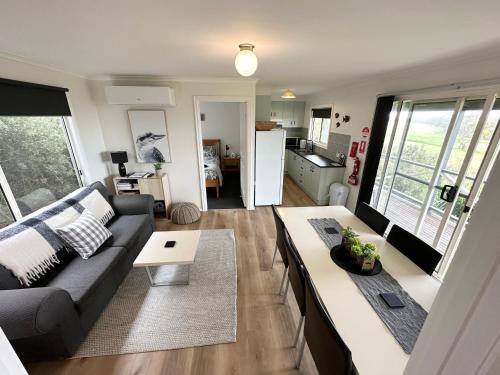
(280, 244)
(419, 252)
(296, 277)
(330, 354)
(372, 218)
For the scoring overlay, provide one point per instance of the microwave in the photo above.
(292, 142)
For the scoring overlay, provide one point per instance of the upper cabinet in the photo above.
(288, 114)
(299, 110)
(263, 108)
(277, 112)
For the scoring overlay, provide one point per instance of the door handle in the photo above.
(448, 193)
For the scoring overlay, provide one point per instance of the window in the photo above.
(432, 146)
(320, 126)
(36, 161)
(37, 164)
(6, 216)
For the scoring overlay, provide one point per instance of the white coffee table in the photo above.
(154, 253)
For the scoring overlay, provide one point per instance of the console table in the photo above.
(157, 186)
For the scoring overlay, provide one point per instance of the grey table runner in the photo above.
(404, 324)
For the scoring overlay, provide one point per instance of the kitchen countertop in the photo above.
(318, 160)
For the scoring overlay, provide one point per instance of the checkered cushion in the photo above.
(85, 235)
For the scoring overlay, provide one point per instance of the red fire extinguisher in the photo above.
(353, 178)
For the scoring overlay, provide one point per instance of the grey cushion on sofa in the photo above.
(8, 280)
(81, 278)
(78, 290)
(128, 231)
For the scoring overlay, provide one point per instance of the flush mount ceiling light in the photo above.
(288, 94)
(246, 62)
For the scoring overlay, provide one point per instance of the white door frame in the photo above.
(250, 146)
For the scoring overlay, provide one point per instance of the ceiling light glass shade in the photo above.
(288, 94)
(246, 62)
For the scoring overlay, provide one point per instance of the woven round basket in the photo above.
(185, 213)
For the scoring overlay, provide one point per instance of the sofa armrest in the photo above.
(134, 205)
(35, 311)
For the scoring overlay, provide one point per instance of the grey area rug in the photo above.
(405, 324)
(141, 318)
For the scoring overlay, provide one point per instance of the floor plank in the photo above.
(265, 329)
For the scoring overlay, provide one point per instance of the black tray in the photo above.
(341, 257)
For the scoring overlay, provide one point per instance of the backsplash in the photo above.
(336, 143)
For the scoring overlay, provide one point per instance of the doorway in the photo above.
(224, 142)
(435, 161)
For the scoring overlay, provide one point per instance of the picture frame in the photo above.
(150, 136)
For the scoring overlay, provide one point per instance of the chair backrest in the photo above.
(280, 235)
(331, 355)
(296, 273)
(419, 252)
(372, 218)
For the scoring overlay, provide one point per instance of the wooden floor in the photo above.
(266, 327)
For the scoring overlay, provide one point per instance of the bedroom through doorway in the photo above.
(223, 127)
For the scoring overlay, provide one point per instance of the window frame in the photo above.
(4, 183)
(311, 126)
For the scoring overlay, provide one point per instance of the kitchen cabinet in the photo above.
(299, 110)
(288, 114)
(262, 108)
(277, 112)
(315, 181)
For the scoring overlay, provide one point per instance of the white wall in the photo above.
(222, 121)
(462, 332)
(183, 171)
(358, 98)
(85, 124)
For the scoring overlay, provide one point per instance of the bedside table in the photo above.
(230, 164)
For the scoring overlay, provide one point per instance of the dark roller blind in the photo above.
(30, 99)
(374, 152)
(322, 112)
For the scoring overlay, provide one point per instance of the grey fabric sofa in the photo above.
(52, 317)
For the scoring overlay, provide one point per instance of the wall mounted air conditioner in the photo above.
(140, 95)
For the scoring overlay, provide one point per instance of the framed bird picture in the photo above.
(149, 132)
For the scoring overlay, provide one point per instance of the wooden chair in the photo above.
(372, 218)
(330, 354)
(419, 252)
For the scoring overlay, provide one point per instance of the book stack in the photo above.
(139, 174)
(124, 185)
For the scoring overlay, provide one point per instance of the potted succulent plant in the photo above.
(157, 167)
(366, 256)
(355, 249)
(348, 237)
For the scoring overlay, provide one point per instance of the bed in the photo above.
(211, 160)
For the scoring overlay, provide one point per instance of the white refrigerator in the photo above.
(269, 166)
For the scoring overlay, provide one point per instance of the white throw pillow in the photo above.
(85, 235)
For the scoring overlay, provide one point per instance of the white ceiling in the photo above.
(306, 45)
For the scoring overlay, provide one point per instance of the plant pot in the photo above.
(158, 172)
(366, 264)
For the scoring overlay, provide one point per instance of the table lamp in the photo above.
(120, 157)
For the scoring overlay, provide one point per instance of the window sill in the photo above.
(321, 145)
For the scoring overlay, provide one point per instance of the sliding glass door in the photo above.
(37, 164)
(434, 162)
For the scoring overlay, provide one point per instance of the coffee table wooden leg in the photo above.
(169, 283)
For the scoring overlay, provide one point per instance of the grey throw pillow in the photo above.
(85, 235)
